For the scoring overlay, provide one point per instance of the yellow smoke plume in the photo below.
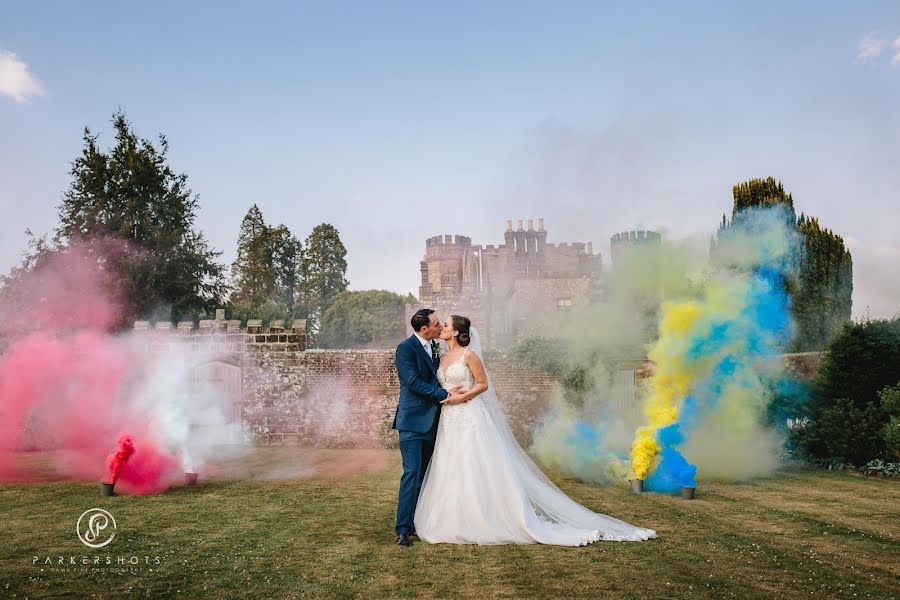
(676, 368)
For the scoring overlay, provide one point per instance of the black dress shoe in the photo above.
(403, 540)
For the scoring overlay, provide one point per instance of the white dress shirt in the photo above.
(425, 344)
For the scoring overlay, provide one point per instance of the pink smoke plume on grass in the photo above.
(146, 470)
(121, 456)
(65, 380)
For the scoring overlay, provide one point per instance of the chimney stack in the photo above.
(509, 224)
(541, 224)
(520, 226)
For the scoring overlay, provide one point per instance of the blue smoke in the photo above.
(760, 332)
(673, 471)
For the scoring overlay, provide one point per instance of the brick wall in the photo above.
(803, 364)
(347, 398)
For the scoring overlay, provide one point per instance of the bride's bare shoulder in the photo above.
(475, 365)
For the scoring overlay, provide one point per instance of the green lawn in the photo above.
(800, 534)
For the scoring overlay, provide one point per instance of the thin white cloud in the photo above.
(895, 48)
(15, 79)
(871, 46)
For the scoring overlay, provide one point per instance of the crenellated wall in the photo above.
(346, 398)
(487, 283)
(324, 398)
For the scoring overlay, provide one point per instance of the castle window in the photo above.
(563, 303)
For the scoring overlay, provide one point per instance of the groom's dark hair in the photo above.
(421, 319)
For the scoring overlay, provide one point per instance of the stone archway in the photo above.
(224, 380)
(624, 400)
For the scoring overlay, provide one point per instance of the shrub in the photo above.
(854, 402)
(552, 356)
(880, 467)
(844, 432)
(863, 359)
(890, 404)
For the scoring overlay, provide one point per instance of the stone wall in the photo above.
(324, 398)
(346, 398)
(803, 364)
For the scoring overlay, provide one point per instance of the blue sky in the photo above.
(396, 121)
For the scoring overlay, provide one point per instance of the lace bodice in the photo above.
(456, 373)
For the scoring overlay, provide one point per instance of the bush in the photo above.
(890, 404)
(843, 432)
(862, 360)
(880, 467)
(854, 403)
(541, 354)
(552, 356)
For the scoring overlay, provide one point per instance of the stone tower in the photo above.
(623, 242)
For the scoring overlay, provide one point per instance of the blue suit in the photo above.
(418, 412)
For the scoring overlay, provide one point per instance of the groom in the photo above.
(418, 412)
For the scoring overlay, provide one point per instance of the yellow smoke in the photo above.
(676, 368)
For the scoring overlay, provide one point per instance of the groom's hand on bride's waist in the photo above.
(455, 396)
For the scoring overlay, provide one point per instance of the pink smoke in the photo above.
(117, 461)
(149, 471)
(69, 289)
(64, 380)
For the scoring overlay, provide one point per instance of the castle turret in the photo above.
(541, 237)
(509, 238)
(447, 266)
(624, 242)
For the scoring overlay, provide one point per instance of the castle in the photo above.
(518, 288)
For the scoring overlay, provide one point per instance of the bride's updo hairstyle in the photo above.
(462, 325)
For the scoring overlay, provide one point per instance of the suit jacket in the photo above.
(420, 393)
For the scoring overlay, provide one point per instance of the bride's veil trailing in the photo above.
(547, 499)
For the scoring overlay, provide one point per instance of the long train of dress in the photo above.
(481, 487)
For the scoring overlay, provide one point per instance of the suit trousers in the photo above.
(416, 450)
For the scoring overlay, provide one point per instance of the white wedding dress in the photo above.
(482, 488)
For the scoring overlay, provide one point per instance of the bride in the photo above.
(480, 486)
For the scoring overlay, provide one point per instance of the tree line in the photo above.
(166, 270)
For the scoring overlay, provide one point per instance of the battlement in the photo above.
(636, 236)
(621, 244)
(449, 240)
(274, 337)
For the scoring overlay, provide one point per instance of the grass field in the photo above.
(326, 532)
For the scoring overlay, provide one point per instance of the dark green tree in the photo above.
(322, 276)
(364, 319)
(819, 276)
(130, 193)
(287, 259)
(761, 193)
(253, 272)
(266, 271)
(822, 285)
